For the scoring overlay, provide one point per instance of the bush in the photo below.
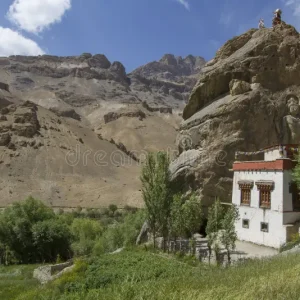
(113, 208)
(295, 241)
(130, 209)
(85, 233)
(32, 231)
(52, 238)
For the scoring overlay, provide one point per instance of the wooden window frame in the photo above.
(265, 189)
(245, 188)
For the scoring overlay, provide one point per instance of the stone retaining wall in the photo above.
(45, 274)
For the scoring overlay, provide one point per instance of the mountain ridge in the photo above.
(54, 107)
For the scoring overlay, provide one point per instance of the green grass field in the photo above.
(15, 280)
(143, 275)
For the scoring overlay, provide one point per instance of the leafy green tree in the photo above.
(156, 188)
(16, 227)
(113, 238)
(193, 217)
(228, 234)
(24, 231)
(52, 238)
(113, 208)
(214, 225)
(192, 212)
(132, 225)
(176, 220)
(85, 232)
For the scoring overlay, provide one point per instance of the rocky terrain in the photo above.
(61, 162)
(91, 88)
(246, 98)
(74, 129)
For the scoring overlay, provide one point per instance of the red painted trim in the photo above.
(279, 164)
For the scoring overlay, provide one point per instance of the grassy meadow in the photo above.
(138, 274)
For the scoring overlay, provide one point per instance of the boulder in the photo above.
(113, 116)
(99, 61)
(118, 68)
(26, 130)
(68, 113)
(25, 120)
(238, 87)
(144, 235)
(166, 110)
(4, 111)
(86, 55)
(4, 139)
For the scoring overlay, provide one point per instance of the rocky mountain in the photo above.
(88, 88)
(61, 162)
(246, 98)
(74, 129)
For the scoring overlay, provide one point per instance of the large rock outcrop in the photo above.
(247, 98)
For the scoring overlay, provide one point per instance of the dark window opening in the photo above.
(264, 227)
(245, 223)
(293, 189)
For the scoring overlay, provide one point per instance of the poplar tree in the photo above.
(157, 194)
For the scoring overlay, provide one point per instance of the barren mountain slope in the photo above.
(88, 87)
(61, 162)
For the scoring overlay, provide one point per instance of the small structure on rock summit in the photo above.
(275, 21)
(261, 24)
(266, 196)
(277, 17)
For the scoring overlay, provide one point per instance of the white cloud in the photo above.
(294, 6)
(37, 15)
(13, 43)
(185, 3)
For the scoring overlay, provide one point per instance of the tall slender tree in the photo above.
(176, 220)
(228, 234)
(214, 224)
(192, 211)
(157, 194)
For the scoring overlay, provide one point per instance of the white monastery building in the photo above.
(266, 196)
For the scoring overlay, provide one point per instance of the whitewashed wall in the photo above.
(274, 216)
(272, 155)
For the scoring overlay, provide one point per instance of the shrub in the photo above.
(113, 208)
(51, 238)
(295, 241)
(32, 231)
(85, 233)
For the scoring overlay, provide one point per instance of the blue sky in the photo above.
(131, 31)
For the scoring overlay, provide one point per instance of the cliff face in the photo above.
(246, 98)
